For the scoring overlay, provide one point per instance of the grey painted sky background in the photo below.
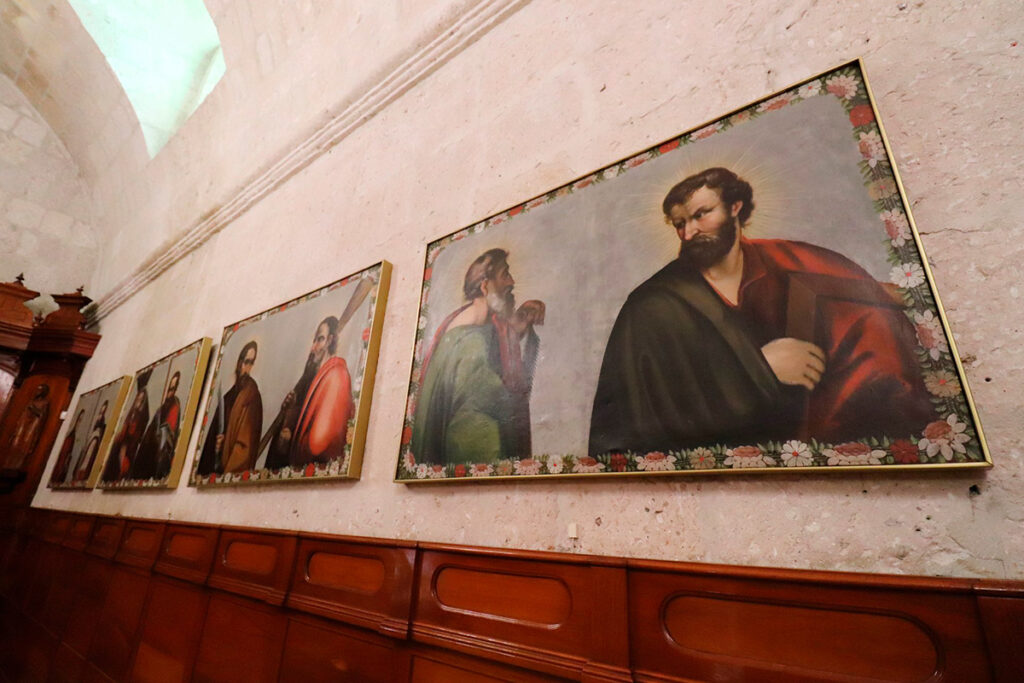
(583, 253)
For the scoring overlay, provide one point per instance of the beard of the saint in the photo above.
(704, 250)
(501, 306)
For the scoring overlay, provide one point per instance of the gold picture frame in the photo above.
(262, 403)
(835, 224)
(80, 456)
(148, 448)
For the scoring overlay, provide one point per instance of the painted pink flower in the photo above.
(843, 87)
(746, 456)
(481, 469)
(777, 102)
(871, 147)
(853, 453)
(435, 472)
(527, 467)
(896, 226)
(944, 437)
(656, 461)
(930, 334)
(585, 463)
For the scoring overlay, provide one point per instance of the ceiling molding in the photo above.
(449, 40)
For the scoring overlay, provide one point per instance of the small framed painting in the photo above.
(291, 391)
(750, 295)
(149, 444)
(87, 440)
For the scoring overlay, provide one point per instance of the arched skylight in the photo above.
(166, 53)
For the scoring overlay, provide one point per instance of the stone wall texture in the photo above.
(549, 90)
(45, 207)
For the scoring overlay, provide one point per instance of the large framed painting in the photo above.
(149, 443)
(748, 296)
(87, 440)
(291, 391)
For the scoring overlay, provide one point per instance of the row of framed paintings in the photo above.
(748, 296)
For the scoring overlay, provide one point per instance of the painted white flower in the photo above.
(930, 334)
(811, 89)
(942, 383)
(702, 459)
(481, 470)
(422, 324)
(527, 467)
(853, 453)
(746, 456)
(796, 454)
(896, 226)
(421, 471)
(555, 464)
(436, 472)
(945, 437)
(585, 463)
(906, 275)
(843, 87)
(871, 147)
(656, 461)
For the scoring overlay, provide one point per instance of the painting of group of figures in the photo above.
(747, 296)
(86, 441)
(750, 295)
(292, 385)
(149, 444)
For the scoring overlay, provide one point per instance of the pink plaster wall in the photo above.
(552, 91)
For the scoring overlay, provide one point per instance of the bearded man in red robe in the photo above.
(703, 352)
(313, 421)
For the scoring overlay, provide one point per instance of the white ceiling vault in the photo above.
(301, 76)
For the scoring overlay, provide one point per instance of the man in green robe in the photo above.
(473, 405)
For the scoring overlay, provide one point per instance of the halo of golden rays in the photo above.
(774, 195)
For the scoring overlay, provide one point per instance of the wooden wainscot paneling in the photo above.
(106, 537)
(242, 641)
(117, 624)
(90, 595)
(428, 665)
(257, 564)
(169, 632)
(140, 543)
(56, 527)
(559, 614)
(79, 532)
(1002, 614)
(187, 551)
(707, 622)
(365, 582)
(315, 650)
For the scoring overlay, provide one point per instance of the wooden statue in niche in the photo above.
(51, 360)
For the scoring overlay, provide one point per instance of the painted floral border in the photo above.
(162, 482)
(338, 467)
(950, 438)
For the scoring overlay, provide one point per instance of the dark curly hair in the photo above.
(730, 187)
